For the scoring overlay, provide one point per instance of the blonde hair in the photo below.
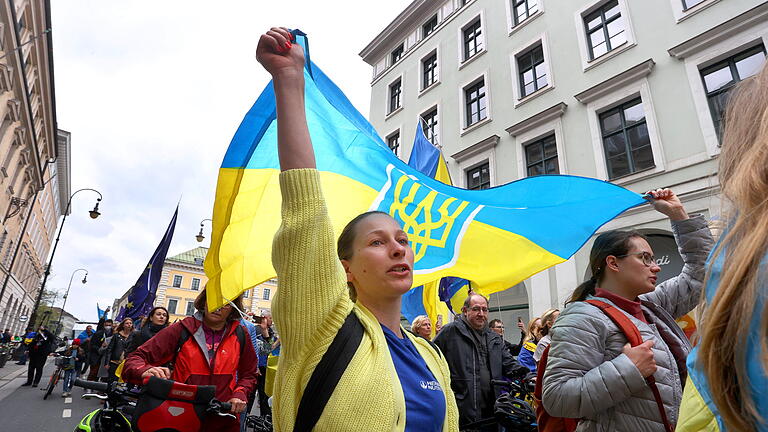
(744, 181)
(547, 321)
(533, 330)
(418, 322)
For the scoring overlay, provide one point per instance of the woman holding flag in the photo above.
(394, 380)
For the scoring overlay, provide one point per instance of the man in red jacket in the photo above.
(214, 353)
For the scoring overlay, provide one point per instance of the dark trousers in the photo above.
(93, 373)
(35, 369)
(264, 408)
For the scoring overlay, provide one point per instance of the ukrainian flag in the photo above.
(441, 297)
(495, 238)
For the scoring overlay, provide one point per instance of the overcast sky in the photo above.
(152, 92)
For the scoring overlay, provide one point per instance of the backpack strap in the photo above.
(240, 333)
(183, 337)
(327, 373)
(632, 333)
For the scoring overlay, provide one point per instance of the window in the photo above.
(541, 157)
(266, 294)
(394, 95)
(429, 26)
(172, 303)
(176, 281)
(397, 54)
(523, 9)
(430, 125)
(393, 142)
(719, 79)
(246, 293)
(479, 177)
(476, 104)
(626, 142)
(605, 29)
(429, 67)
(532, 71)
(473, 42)
(190, 308)
(195, 284)
(687, 4)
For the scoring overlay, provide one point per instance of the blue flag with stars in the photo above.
(141, 299)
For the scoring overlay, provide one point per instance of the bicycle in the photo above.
(57, 375)
(511, 411)
(120, 404)
(259, 423)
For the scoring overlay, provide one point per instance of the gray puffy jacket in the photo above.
(588, 377)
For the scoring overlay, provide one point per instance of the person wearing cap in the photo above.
(69, 364)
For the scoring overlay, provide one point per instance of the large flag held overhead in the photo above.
(495, 237)
(142, 296)
(435, 299)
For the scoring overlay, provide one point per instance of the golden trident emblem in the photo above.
(420, 234)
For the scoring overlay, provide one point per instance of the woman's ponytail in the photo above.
(609, 243)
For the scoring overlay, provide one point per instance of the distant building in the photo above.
(67, 322)
(627, 91)
(182, 279)
(33, 192)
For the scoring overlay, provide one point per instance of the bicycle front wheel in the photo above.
(52, 383)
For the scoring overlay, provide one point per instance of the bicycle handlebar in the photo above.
(93, 385)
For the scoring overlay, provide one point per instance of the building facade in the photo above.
(627, 91)
(34, 157)
(182, 279)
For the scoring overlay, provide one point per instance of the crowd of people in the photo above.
(346, 363)
(589, 372)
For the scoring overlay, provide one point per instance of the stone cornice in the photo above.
(630, 75)
(475, 149)
(399, 27)
(738, 24)
(537, 120)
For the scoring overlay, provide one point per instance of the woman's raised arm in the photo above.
(285, 62)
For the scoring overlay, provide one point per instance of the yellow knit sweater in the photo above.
(309, 308)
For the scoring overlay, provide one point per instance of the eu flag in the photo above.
(141, 299)
(495, 237)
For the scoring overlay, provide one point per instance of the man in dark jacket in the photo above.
(96, 341)
(475, 355)
(39, 349)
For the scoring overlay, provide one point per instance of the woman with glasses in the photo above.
(215, 350)
(592, 374)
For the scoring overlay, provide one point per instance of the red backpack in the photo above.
(548, 423)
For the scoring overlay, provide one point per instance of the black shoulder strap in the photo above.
(327, 373)
(434, 346)
(183, 337)
(240, 337)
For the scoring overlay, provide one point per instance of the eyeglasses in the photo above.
(479, 309)
(647, 258)
(499, 327)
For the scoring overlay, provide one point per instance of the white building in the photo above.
(626, 91)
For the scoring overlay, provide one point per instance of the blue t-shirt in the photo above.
(424, 398)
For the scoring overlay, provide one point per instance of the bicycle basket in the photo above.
(165, 402)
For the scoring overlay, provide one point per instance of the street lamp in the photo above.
(200, 237)
(94, 214)
(61, 314)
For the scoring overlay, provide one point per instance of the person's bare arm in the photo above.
(285, 62)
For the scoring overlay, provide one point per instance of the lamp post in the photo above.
(61, 314)
(200, 237)
(94, 214)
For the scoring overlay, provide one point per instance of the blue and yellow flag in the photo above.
(435, 298)
(495, 237)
